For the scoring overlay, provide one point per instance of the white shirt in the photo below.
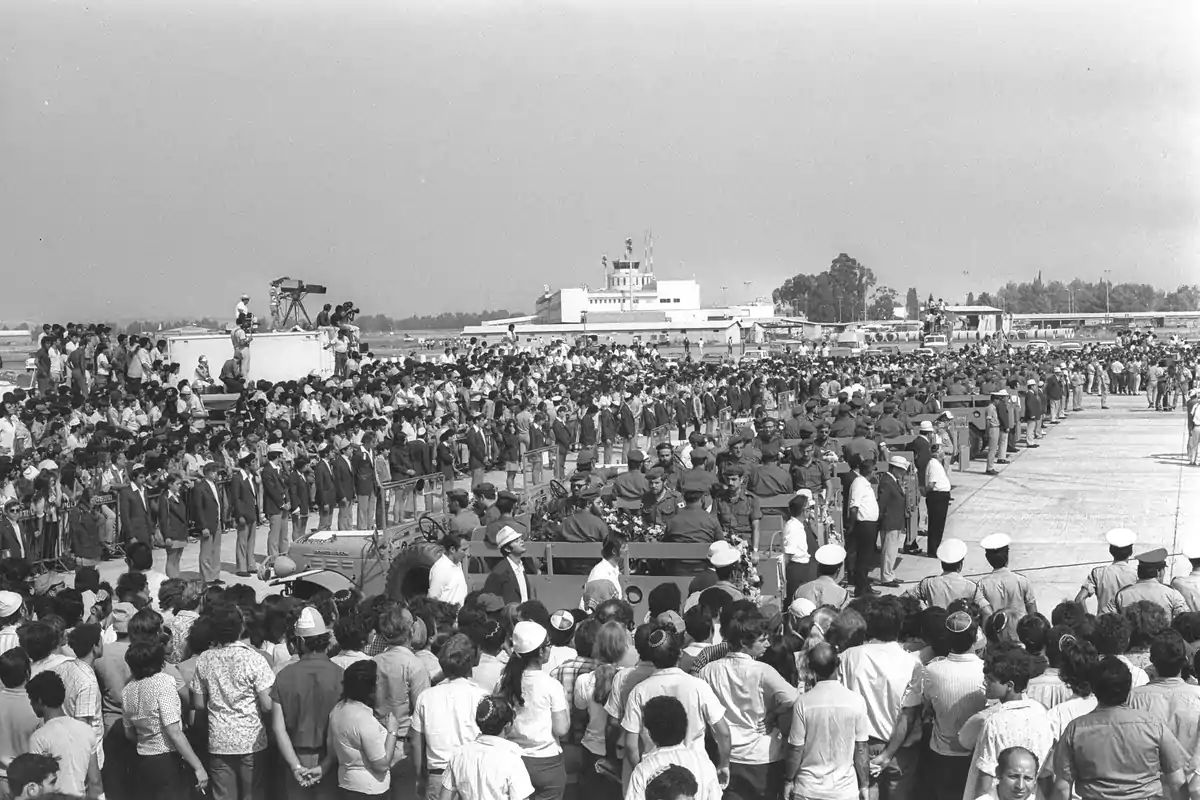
(889, 679)
(936, 479)
(704, 709)
(862, 497)
(699, 764)
(533, 727)
(795, 542)
(447, 582)
(445, 716)
(489, 768)
(522, 585)
(605, 571)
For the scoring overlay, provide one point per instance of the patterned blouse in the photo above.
(151, 705)
(231, 676)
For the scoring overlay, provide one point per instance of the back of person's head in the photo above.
(1078, 664)
(744, 629)
(584, 640)
(1169, 654)
(493, 715)
(358, 682)
(612, 642)
(665, 597)
(1068, 613)
(1111, 681)
(1111, 634)
(351, 632)
(641, 640)
(1146, 621)
(46, 689)
(1009, 663)
(395, 624)
(227, 621)
(145, 659)
(848, 629)
(139, 556)
(14, 668)
(68, 604)
(676, 782)
(614, 609)
(200, 636)
(884, 619)
(666, 720)
(534, 611)
(1188, 625)
(1055, 638)
(458, 656)
(83, 639)
(664, 647)
(38, 640)
(1033, 631)
(823, 660)
(31, 774)
(698, 623)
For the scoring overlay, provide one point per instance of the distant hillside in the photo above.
(381, 323)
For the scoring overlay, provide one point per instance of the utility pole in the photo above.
(1107, 285)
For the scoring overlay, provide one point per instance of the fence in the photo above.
(400, 498)
(535, 463)
(724, 424)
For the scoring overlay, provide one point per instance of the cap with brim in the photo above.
(527, 636)
(1120, 537)
(952, 551)
(10, 603)
(947, 414)
(275, 448)
(722, 554)
(1154, 557)
(830, 555)
(1191, 548)
(506, 536)
(926, 426)
(997, 541)
(636, 456)
(121, 614)
(899, 462)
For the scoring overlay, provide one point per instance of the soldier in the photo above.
(1149, 586)
(942, 590)
(661, 502)
(666, 462)
(582, 527)
(1003, 589)
(462, 519)
(1104, 582)
(770, 479)
(807, 472)
(692, 524)
(584, 470)
(1189, 585)
(631, 486)
(824, 590)
(506, 503)
(798, 427)
(485, 503)
(889, 426)
(738, 512)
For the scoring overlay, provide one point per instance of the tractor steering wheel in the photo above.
(558, 490)
(430, 528)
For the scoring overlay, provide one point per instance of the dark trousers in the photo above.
(898, 779)
(754, 781)
(162, 776)
(548, 776)
(862, 539)
(237, 777)
(938, 505)
(948, 775)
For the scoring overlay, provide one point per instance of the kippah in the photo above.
(659, 638)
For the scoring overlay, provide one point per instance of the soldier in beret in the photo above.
(736, 511)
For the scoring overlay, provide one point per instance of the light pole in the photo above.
(1107, 284)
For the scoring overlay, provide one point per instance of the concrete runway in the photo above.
(1097, 470)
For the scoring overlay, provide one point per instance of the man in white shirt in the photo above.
(667, 727)
(937, 497)
(863, 509)
(446, 579)
(827, 741)
(444, 716)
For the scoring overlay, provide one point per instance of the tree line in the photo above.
(847, 291)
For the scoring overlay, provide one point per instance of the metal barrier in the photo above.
(661, 434)
(400, 498)
(724, 424)
(535, 463)
(784, 403)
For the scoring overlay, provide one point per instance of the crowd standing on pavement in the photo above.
(160, 684)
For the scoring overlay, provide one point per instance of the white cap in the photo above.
(951, 551)
(275, 448)
(830, 555)
(528, 636)
(926, 426)
(506, 535)
(996, 541)
(1120, 537)
(722, 554)
(802, 607)
(10, 603)
(310, 623)
(946, 414)
(898, 461)
(1000, 393)
(47, 464)
(1191, 548)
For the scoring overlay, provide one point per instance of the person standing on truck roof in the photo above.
(241, 337)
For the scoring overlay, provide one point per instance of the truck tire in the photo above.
(408, 575)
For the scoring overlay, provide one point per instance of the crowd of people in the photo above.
(159, 683)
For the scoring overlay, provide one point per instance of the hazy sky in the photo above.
(160, 157)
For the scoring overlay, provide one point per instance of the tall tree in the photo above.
(912, 304)
(883, 304)
(970, 298)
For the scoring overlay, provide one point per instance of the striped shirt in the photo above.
(953, 688)
(82, 694)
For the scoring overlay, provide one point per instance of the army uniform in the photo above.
(1007, 591)
(942, 590)
(1151, 589)
(824, 590)
(1189, 586)
(813, 476)
(658, 510)
(581, 527)
(1104, 582)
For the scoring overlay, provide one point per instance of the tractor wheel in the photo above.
(408, 575)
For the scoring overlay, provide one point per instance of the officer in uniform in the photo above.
(770, 479)
(824, 590)
(666, 462)
(1104, 582)
(798, 427)
(485, 502)
(630, 487)
(699, 476)
(1149, 586)
(585, 464)
(584, 526)
(738, 512)
(807, 472)
(942, 590)
(692, 524)
(1002, 589)
(1189, 585)
(463, 521)
(889, 426)
(661, 502)
(506, 503)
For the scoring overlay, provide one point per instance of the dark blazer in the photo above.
(364, 474)
(608, 425)
(343, 479)
(245, 505)
(11, 539)
(298, 492)
(275, 491)
(136, 521)
(326, 493)
(626, 425)
(422, 458)
(502, 582)
(476, 449)
(709, 402)
(172, 519)
(445, 458)
(921, 451)
(206, 507)
(562, 437)
(587, 431)
(891, 503)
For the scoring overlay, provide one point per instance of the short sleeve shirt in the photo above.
(828, 722)
(231, 678)
(532, 728)
(1117, 752)
(703, 707)
(151, 705)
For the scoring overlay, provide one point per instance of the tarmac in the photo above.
(1097, 470)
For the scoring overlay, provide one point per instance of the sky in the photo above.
(162, 156)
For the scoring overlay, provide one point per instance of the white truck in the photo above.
(275, 357)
